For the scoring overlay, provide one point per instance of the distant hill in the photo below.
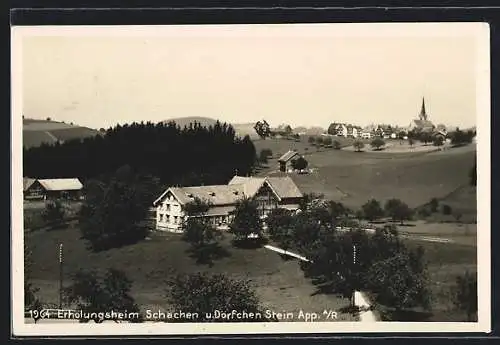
(241, 129)
(37, 132)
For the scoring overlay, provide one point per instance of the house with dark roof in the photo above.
(268, 192)
(285, 161)
(66, 188)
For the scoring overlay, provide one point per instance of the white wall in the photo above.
(169, 214)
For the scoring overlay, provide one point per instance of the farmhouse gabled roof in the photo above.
(216, 195)
(288, 156)
(238, 188)
(27, 182)
(61, 184)
(251, 185)
(284, 187)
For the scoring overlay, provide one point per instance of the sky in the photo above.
(302, 75)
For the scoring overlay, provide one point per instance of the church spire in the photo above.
(423, 114)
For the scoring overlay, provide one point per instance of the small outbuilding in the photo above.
(59, 188)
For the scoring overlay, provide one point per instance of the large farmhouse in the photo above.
(66, 188)
(269, 192)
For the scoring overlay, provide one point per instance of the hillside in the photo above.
(36, 132)
(241, 129)
(353, 178)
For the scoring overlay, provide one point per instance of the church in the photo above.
(422, 124)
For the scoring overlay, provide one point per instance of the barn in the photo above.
(59, 188)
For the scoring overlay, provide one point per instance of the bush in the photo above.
(203, 293)
(434, 203)
(54, 212)
(372, 210)
(112, 213)
(464, 293)
(358, 145)
(398, 210)
(299, 163)
(246, 220)
(438, 141)
(424, 212)
(377, 143)
(97, 294)
(327, 141)
(337, 145)
(264, 155)
(446, 209)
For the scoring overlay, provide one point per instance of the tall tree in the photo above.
(95, 293)
(112, 213)
(372, 210)
(399, 282)
(358, 145)
(299, 163)
(210, 294)
(246, 220)
(279, 224)
(465, 297)
(213, 153)
(398, 210)
(377, 143)
(30, 299)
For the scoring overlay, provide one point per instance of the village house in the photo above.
(268, 192)
(285, 161)
(59, 188)
(353, 131)
(341, 130)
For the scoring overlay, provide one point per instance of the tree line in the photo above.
(192, 155)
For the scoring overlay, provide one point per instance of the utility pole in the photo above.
(353, 274)
(60, 275)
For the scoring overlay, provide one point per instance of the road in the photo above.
(411, 237)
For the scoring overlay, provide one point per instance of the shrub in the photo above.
(446, 209)
(377, 143)
(358, 145)
(464, 293)
(434, 203)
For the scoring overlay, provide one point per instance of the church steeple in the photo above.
(423, 114)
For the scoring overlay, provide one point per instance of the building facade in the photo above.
(269, 193)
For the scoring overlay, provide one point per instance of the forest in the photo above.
(176, 156)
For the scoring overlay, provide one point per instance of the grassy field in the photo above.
(32, 213)
(280, 284)
(353, 178)
(36, 132)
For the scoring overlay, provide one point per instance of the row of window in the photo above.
(170, 219)
(166, 207)
(216, 220)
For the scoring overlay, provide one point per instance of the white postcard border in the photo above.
(479, 30)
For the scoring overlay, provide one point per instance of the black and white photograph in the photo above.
(260, 178)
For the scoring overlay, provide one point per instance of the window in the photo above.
(161, 217)
(168, 218)
(168, 207)
(175, 219)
